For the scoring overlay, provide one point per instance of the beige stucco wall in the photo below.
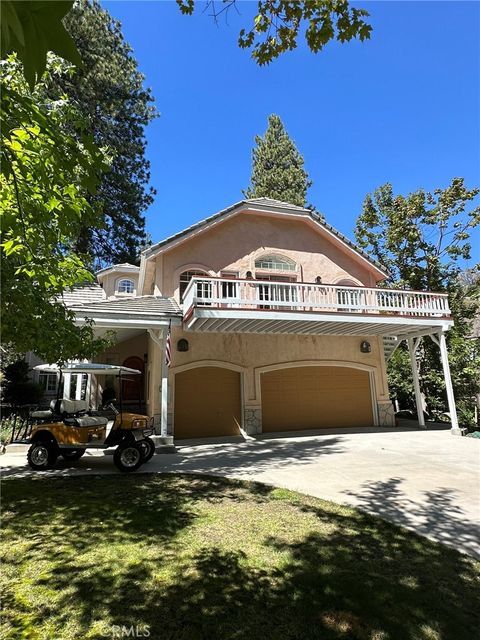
(235, 244)
(110, 282)
(253, 353)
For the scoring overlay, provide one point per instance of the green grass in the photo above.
(199, 558)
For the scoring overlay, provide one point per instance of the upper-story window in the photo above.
(185, 278)
(275, 262)
(126, 286)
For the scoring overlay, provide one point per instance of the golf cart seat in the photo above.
(86, 421)
(46, 414)
(74, 413)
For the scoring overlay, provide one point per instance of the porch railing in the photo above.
(223, 293)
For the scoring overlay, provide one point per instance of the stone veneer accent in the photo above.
(386, 414)
(157, 423)
(252, 417)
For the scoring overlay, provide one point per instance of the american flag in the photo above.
(168, 346)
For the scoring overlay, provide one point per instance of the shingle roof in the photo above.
(142, 304)
(271, 202)
(268, 203)
(81, 295)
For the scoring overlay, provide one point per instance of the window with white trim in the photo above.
(48, 382)
(185, 278)
(126, 286)
(275, 262)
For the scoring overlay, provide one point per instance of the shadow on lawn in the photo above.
(438, 513)
(357, 577)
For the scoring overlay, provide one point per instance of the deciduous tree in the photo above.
(422, 239)
(47, 177)
(279, 23)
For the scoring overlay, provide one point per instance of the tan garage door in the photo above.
(207, 403)
(316, 397)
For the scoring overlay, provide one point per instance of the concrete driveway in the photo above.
(427, 481)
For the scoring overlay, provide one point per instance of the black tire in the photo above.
(42, 455)
(72, 454)
(128, 456)
(147, 446)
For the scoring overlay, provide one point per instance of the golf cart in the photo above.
(69, 428)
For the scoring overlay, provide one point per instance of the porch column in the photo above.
(164, 392)
(413, 344)
(164, 442)
(439, 340)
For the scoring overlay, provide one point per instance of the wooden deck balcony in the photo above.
(261, 306)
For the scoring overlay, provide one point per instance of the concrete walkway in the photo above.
(428, 481)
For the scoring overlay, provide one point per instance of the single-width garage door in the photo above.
(316, 397)
(207, 403)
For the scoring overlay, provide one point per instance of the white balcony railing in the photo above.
(225, 293)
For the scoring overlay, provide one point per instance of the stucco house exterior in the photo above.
(275, 320)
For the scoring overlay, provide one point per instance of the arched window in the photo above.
(185, 278)
(276, 263)
(126, 286)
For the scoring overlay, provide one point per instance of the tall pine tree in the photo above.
(109, 93)
(278, 170)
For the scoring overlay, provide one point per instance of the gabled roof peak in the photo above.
(269, 205)
(123, 266)
(272, 202)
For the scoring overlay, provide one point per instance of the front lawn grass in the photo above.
(200, 558)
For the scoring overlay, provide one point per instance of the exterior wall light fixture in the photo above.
(365, 346)
(182, 345)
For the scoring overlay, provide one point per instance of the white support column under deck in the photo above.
(413, 344)
(164, 396)
(159, 337)
(440, 340)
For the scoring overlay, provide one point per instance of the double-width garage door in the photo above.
(207, 403)
(315, 397)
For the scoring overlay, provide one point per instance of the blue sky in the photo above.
(402, 107)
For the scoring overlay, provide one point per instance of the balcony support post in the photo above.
(413, 344)
(163, 442)
(439, 340)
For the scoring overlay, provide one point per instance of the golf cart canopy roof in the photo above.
(88, 367)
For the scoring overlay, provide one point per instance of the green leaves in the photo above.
(421, 239)
(279, 23)
(115, 107)
(43, 206)
(31, 28)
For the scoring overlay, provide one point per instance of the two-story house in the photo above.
(276, 323)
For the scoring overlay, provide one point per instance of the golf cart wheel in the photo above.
(72, 454)
(128, 456)
(42, 455)
(148, 448)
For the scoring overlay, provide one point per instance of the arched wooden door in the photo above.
(133, 386)
(207, 403)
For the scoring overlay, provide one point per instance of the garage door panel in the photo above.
(315, 397)
(207, 403)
